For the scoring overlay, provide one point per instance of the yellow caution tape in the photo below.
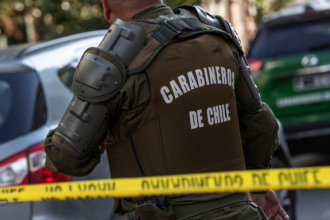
(242, 181)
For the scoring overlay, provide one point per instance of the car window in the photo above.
(288, 39)
(22, 104)
(5, 99)
(66, 75)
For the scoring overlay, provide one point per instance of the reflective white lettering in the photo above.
(168, 98)
(192, 81)
(196, 119)
(183, 83)
(206, 76)
(176, 89)
(227, 112)
(212, 75)
(217, 69)
(229, 77)
(222, 116)
(218, 114)
(209, 116)
(193, 120)
(200, 78)
(224, 75)
(222, 109)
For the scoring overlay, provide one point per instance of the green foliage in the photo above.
(51, 18)
(265, 7)
(69, 16)
(279, 4)
(56, 18)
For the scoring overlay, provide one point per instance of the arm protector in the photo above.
(258, 125)
(100, 75)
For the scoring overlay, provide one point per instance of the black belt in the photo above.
(189, 210)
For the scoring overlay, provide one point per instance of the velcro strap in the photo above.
(165, 34)
(171, 28)
(185, 24)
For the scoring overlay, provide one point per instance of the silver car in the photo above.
(35, 82)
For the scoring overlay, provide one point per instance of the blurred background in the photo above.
(29, 21)
(287, 44)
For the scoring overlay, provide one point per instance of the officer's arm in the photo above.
(259, 133)
(258, 125)
(73, 148)
(62, 157)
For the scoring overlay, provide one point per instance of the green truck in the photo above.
(290, 64)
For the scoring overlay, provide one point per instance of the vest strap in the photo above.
(171, 28)
(180, 28)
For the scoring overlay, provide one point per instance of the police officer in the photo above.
(168, 92)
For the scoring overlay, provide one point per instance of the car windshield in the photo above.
(288, 39)
(22, 105)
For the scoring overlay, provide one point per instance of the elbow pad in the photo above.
(99, 76)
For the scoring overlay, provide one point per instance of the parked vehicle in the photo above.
(290, 63)
(34, 94)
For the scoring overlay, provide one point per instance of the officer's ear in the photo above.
(106, 9)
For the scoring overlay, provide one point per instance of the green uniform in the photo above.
(181, 115)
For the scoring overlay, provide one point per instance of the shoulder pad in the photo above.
(229, 28)
(101, 72)
(214, 21)
(234, 35)
(201, 14)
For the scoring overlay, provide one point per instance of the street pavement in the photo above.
(313, 204)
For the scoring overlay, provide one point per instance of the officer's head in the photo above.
(125, 9)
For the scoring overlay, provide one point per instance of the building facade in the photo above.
(238, 12)
(241, 14)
